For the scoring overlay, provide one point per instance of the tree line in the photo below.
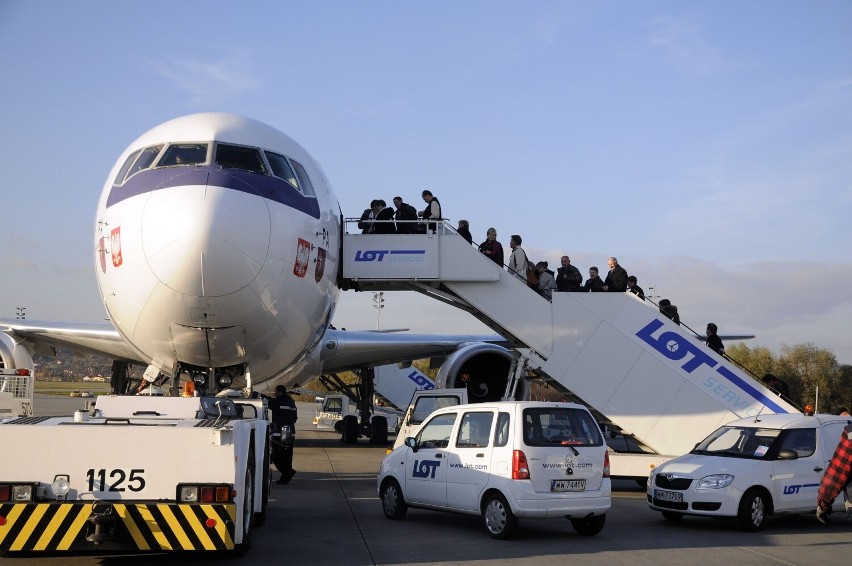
(813, 375)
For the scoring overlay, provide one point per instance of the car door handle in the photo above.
(480, 455)
(817, 469)
(439, 455)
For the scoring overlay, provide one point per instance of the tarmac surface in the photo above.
(330, 514)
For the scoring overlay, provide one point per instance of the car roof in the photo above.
(789, 420)
(512, 405)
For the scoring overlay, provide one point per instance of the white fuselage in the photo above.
(203, 261)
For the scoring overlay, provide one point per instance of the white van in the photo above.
(750, 468)
(503, 461)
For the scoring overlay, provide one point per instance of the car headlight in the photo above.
(716, 481)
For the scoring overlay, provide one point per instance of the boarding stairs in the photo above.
(652, 378)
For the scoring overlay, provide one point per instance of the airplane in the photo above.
(217, 248)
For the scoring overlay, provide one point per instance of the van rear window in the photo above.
(555, 426)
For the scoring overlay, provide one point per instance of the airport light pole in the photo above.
(378, 304)
(651, 294)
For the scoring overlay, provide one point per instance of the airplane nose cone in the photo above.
(205, 241)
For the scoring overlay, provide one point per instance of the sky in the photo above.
(707, 145)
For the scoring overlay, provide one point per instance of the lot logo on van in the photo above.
(425, 468)
(794, 489)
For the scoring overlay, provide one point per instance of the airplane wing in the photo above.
(340, 350)
(727, 337)
(344, 349)
(96, 338)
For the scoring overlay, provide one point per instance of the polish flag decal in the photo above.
(115, 246)
(303, 255)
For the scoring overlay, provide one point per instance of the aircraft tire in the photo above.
(350, 429)
(380, 430)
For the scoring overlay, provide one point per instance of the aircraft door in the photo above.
(469, 462)
(426, 469)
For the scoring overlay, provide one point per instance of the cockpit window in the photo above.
(138, 160)
(304, 180)
(184, 154)
(281, 168)
(238, 157)
(149, 154)
(122, 173)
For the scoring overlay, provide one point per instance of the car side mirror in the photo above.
(411, 442)
(788, 454)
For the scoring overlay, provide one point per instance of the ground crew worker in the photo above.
(284, 414)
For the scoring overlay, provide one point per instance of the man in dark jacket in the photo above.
(634, 288)
(568, 277)
(283, 409)
(616, 279)
(404, 211)
(384, 218)
(464, 231)
(713, 340)
(364, 223)
(432, 211)
(669, 310)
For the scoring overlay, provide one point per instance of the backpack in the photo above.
(532, 274)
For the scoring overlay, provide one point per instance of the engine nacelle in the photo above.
(485, 370)
(14, 354)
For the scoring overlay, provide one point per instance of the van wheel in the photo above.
(589, 526)
(752, 510)
(380, 430)
(671, 516)
(497, 517)
(393, 504)
(350, 429)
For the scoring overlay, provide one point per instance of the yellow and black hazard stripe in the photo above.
(156, 527)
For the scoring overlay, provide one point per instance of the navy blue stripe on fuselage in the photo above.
(264, 186)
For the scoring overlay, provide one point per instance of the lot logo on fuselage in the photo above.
(425, 468)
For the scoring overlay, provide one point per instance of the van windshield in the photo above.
(739, 442)
(549, 426)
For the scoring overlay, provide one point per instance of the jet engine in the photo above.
(13, 354)
(485, 370)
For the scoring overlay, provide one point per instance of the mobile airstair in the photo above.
(652, 378)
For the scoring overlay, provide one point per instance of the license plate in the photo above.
(673, 496)
(568, 485)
